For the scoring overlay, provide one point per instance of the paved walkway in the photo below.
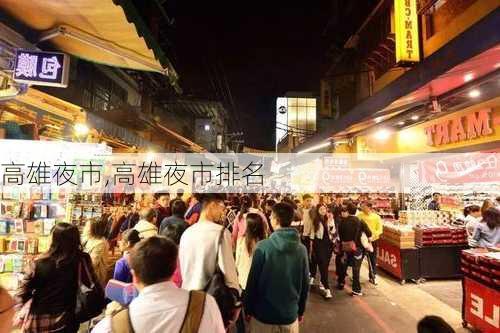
(387, 308)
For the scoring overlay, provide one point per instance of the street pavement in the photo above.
(386, 308)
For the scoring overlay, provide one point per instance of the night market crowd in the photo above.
(208, 263)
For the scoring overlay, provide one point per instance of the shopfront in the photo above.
(455, 155)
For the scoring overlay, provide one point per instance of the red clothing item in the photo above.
(177, 278)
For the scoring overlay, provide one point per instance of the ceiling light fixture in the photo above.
(313, 148)
(401, 123)
(474, 93)
(382, 134)
(415, 117)
(468, 77)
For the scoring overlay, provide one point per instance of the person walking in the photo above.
(255, 232)
(97, 247)
(200, 254)
(52, 283)
(240, 224)
(162, 206)
(122, 267)
(278, 283)
(305, 215)
(161, 306)
(350, 230)
(174, 231)
(178, 209)
(322, 246)
(368, 215)
(147, 223)
(193, 213)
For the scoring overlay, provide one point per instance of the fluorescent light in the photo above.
(468, 77)
(81, 129)
(382, 134)
(321, 145)
(474, 93)
(415, 117)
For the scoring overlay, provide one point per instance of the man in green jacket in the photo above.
(278, 282)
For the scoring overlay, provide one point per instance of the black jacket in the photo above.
(350, 229)
(52, 287)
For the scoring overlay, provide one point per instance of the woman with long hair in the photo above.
(52, 283)
(254, 233)
(487, 234)
(322, 246)
(486, 204)
(97, 247)
(248, 205)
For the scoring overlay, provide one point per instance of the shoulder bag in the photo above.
(228, 299)
(90, 301)
(350, 246)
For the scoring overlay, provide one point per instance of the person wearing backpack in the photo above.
(350, 230)
(278, 283)
(206, 258)
(161, 306)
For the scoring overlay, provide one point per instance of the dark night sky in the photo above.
(264, 48)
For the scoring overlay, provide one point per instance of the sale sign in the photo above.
(389, 258)
(461, 168)
(334, 180)
(482, 306)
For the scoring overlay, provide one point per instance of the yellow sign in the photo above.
(475, 125)
(406, 24)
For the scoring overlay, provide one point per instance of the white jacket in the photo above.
(197, 251)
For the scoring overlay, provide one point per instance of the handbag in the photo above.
(90, 301)
(366, 243)
(228, 299)
(350, 246)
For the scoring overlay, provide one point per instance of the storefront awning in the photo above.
(109, 32)
(457, 51)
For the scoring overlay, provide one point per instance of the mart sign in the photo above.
(407, 37)
(41, 68)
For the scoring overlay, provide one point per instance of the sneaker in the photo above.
(373, 281)
(328, 294)
(356, 293)
(321, 287)
(311, 281)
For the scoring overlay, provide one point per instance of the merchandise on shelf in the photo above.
(416, 217)
(429, 235)
(482, 265)
(400, 235)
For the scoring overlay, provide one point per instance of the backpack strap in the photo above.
(120, 321)
(194, 312)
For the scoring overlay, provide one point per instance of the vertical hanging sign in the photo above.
(407, 37)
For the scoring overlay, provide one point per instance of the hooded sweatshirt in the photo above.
(278, 282)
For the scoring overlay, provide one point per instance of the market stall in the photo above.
(481, 289)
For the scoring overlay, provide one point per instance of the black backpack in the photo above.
(228, 299)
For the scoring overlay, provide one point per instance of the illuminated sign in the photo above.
(41, 68)
(461, 128)
(406, 24)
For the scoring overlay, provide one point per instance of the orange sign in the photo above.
(460, 128)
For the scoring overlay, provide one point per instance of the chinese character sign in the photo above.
(41, 68)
